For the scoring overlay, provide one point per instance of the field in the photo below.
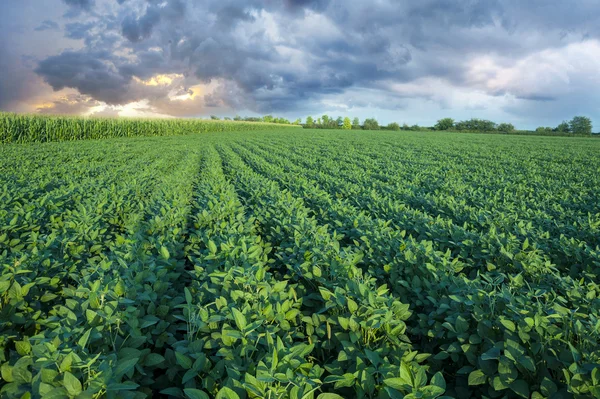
(303, 264)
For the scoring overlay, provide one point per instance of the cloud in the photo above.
(47, 25)
(86, 5)
(91, 73)
(302, 55)
(71, 104)
(138, 29)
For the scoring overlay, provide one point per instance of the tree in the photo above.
(371, 124)
(563, 127)
(325, 119)
(339, 122)
(543, 130)
(214, 117)
(506, 128)
(298, 121)
(355, 123)
(237, 118)
(393, 126)
(227, 118)
(444, 124)
(475, 125)
(268, 118)
(347, 125)
(581, 125)
(310, 122)
(405, 127)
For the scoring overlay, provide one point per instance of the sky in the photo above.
(528, 62)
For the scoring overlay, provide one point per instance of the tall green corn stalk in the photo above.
(19, 128)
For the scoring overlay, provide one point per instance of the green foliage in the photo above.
(476, 125)
(347, 125)
(581, 125)
(307, 265)
(506, 128)
(370, 124)
(543, 129)
(444, 124)
(393, 126)
(563, 127)
(356, 123)
(18, 128)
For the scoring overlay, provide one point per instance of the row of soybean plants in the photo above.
(355, 327)
(92, 267)
(24, 128)
(511, 331)
(571, 250)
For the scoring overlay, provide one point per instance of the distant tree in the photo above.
(393, 126)
(227, 118)
(581, 125)
(506, 128)
(543, 129)
(339, 122)
(268, 118)
(298, 121)
(310, 122)
(405, 127)
(355, 123)
(325, 119)
(371, 124)
(346, 124)
(475, 125)
(319, 122)
(214, 117)
(237, 118)
(563, 127)
(444, 124)
(415, 128)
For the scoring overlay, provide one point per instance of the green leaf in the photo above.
(548, 387)
(329, 396)
(153, 359)
(57, 393)
(227, 393)
(125, 365)
(6, 371)
(521, 388)
(84, 339)
(188, 295)
(23, 348)
(72, 384)
(352, 306)
(438, 380)
(212, 248)
(240, 319)
(183, 360)
(195, 393)
(164, 252)
(124, 386)
(477, 377)
(509, 325)
(399, 384)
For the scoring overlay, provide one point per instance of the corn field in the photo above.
(18, 128)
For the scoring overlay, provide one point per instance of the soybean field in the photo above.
(296, 263)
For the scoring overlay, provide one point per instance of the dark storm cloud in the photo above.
(93, 74)
(137, 29)
(47, 25)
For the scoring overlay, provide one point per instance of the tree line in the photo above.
(579, 125)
